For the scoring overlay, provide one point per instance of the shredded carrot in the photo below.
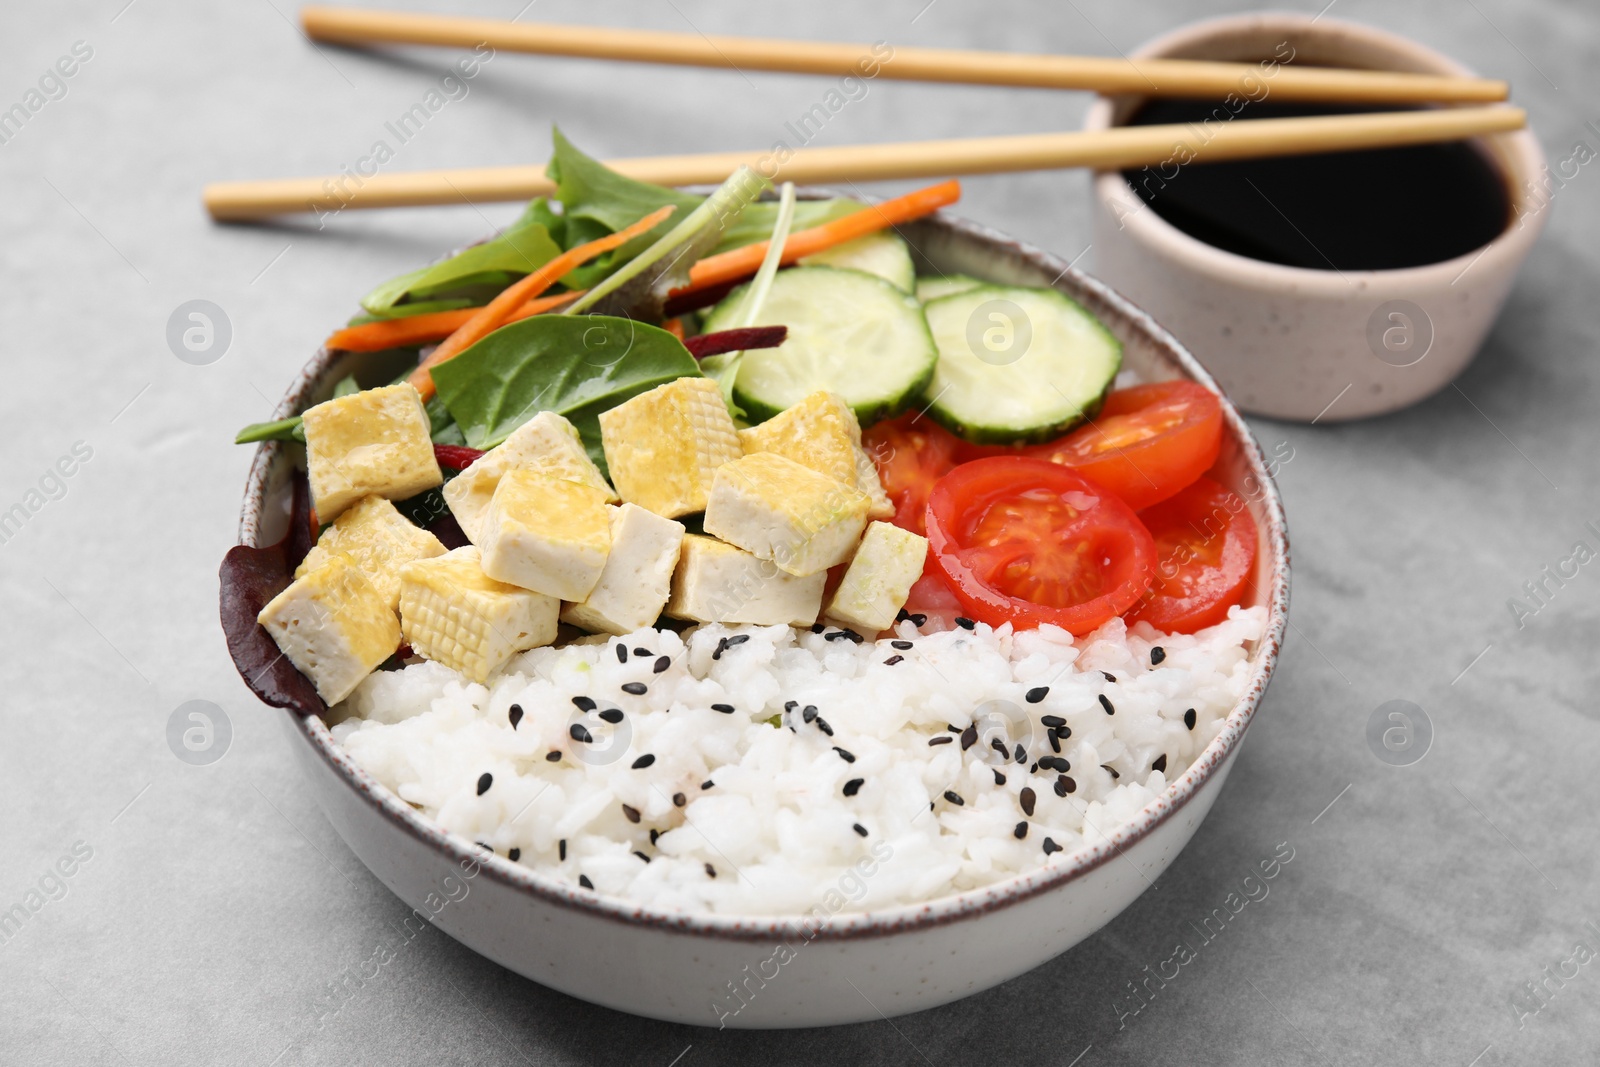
(497, 312)
(674, 326)
(434, 326)
(741, 262)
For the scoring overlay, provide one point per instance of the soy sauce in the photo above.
(1376, 209)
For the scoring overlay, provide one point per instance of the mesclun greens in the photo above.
(574, 365)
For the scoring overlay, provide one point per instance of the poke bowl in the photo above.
(875, 941)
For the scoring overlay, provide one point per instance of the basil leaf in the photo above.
(522, 247)
(574, 365)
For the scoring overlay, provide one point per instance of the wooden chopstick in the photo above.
(1146, 77)
(1116, 148)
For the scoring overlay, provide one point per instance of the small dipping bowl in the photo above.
(1305, 344)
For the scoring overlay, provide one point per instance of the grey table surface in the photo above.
(211, 907)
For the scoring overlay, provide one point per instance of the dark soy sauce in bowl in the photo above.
(1377, 209)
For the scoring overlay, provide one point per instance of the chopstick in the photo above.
(1117, 148)
(1146, 77)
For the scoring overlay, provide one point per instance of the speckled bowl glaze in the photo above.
(685, 967)
(1313, 345)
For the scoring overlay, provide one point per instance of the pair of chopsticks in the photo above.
(1117, 148)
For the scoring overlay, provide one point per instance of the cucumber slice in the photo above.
(948, 285)
(881, 253)
(1017, 365)
(849, 332)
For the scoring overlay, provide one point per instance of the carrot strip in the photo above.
(740, 262)
(674, 326)
(497, 312)
(434, 326)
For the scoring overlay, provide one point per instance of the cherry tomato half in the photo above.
(911, 454)
(1028, 542)
(1147, 443)
(1205, 553)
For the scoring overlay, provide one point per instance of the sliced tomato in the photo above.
(1206, 551)
(1028, 542)
(1147, 443)
(911, 454)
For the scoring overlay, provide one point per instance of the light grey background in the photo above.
(218, 905)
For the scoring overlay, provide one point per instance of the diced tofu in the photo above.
(546, 534)
(378, 540)
(637, 579)
(773, 507)
(868, 482)
(454, 614)
(664, 446)
(375, 442)
(879, 578)
(716, 582)
(819, 432)
(333, 625)
(547, 443)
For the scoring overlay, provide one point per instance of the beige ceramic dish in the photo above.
(1301, 344)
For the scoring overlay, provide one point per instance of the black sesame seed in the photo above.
(892, 660)
(1104, 703)
(641, 855)
(1021, 753)
(661, 664)
(902, 615)
(1034, 769)
(1061, 786)
(1055, 763)
(1020, 831)
(655, 835)
(846, 635)
(711, 871)
(585, 703)
(1108, 676)
(1037, 693)
(999, 779)
(1027, 798)
(903, 646)
(1050, 846)
(562, 848)
(942, 739)
(514, 713)
(969, 736)
(1052, 720)
(485, 780)
(583, 880)
(514, 855)
(631, 812)
(612, 715)
(580, 732)
(1066, 782)
(822, 724)
(645, 652)
(737, 639)
(817, 627)
(965, 623)
(953, 797)
(1114, 775)
(726, 709)
(1055, 742)
(858, 828)
(790, 705)
(853, 786)
(553, 756)
(622, 653)
(1160, 764)
(707, 784)
(809, 713)
(1157, 654)
(848, 757)
(1063, 732)
(638, 689)
(1000, 747)
(918, 619)
(483, 846)
(952, 727)
(679, 800)
(1189, 718)
(643, 761)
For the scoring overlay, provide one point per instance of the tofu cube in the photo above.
(820, 432)
(378, 540)
(664, 446)
(547, 443)
(716, 582)
(637, 579)
(546, 534)
(376, 442)
(454, 614)
(333, 625)
(773, 507)
(879, 578)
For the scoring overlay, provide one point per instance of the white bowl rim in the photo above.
(844, 926)
(1153, 230)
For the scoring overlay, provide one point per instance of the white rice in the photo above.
(775, 824)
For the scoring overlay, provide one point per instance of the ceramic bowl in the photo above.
(686, 967)
(1302, 344)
